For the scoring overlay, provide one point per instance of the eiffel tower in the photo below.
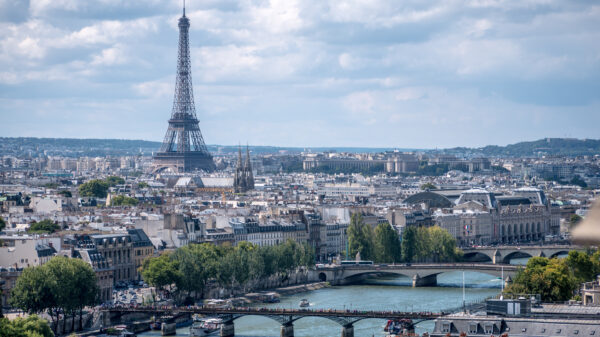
(183, 149)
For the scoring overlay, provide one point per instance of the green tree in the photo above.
(387, 244)
(44, 226)
(409, 243)
(143, 184)
(574, 220)
(94, 188)
(442, 245)
(2, 224)
(551, 278)
(36, 291)
(582, 266)
(428, 186)
(123, 200)
(114, 181)
(161, 271)
(360, 238)
(32, 326)
(65, 193)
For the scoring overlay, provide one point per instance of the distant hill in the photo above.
(74, 147)
(547, 146)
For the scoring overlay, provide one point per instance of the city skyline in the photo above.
(305, 74)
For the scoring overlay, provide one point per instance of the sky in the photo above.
(360, 73)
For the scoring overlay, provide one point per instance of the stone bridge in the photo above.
(421, 274)
(503, 254)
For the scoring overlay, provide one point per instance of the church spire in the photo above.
(183, 7)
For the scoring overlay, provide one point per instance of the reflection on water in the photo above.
(389, 293)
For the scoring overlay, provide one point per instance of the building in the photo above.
(21, 251)
(243, 180)
(142, 249)
(117, 249)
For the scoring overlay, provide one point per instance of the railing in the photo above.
(278, 311)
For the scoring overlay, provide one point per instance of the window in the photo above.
(558, 330)
(524, 329)
(473, 328)
(445, 327)
(543, 330)
(575, 332)
(592, 332)
(489, 328)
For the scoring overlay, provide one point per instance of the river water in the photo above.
(393, 293)
(390, 293)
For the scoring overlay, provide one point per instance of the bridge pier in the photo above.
(348, 330)
(287, 330)
(227, 329)
(427, 281)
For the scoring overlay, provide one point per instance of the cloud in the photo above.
(407, 73)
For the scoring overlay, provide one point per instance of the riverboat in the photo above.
(206, 327)
(400, 327)
(304, 303)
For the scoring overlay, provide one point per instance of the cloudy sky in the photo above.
(418, 74)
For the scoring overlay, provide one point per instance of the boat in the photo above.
(304, 303)
(400, 327)
(206, 327)
(122, 331)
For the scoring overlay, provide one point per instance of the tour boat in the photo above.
(206, 327)
(304, 303)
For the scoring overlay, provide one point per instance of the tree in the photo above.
(36, 291)
(32, 326)
(387, 244)
(428, 186)
(123, 200)
(551, 278)
(94, 188)
(409, 243)
(442, 245)
(574, 220)
(44, 226)
(360, 238)
(2, 224)
(65, 193)
(161, 271)
(582, 266)
(143, 184)
(114, 181)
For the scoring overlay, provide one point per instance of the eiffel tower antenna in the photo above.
(183, 148)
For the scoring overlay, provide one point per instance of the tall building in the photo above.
(183, 149)
(244, 179)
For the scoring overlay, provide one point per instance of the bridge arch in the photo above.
(560, 252)
(515, 255)
(477, 257)
(322, 277)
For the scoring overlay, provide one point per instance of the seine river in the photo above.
(394, 293)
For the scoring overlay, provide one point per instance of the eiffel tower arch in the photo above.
(183, 148)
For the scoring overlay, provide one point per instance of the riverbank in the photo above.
(257, 297)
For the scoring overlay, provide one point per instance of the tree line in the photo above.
(62, 287)
(384, 245)
(556, 279)
(187, 271)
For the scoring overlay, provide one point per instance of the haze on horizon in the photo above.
(349, 73)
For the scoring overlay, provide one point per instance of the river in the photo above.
(394, 293)
(391, 293)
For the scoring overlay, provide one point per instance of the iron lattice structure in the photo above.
(183, 149)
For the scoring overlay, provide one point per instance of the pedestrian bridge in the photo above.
(503, 254)
(286, 317)
(422, 275)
